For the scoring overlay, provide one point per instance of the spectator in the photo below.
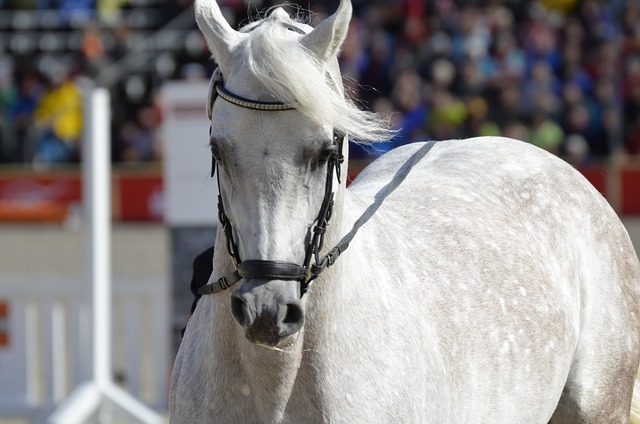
(448, 116)
(23, 112)
(580, 121)
(509, 105)
(58, 120)
(137, 140)
(546, 133)
(8, 97)
(408, 96)
(517, 130)
(93, 50)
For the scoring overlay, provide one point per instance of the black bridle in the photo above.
(273, 269)
(280, 270)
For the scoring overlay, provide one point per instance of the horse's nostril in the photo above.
(294, 314)
(239, 310)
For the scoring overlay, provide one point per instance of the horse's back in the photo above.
(496, 184)
(523, 260)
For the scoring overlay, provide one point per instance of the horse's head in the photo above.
(274, 164)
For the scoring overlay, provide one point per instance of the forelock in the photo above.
(292, 74)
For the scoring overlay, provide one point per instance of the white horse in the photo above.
(494, 285)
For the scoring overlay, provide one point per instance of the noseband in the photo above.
(280, 270)
(272, 269)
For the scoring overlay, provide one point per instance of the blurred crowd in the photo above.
(561, 74)
(51, 49)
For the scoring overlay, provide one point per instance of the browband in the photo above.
(216, 88)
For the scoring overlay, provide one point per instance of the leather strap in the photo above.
(271, 270)
(248, 103)
(216, 88)
(220, 284)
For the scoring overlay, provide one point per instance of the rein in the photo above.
(280, 270)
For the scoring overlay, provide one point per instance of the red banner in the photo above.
(630, 188)
(4, 324)
(52, 196)
(140, 198)
(597, 177)
(36, 197)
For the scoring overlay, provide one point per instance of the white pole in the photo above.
(91, 398)
(97, 188)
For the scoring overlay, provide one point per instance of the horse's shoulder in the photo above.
(463, 158)
(386, 164)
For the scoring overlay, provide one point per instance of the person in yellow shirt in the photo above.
(58, 117)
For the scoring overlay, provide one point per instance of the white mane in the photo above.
(295, 76)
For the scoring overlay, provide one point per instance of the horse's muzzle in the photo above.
(270, 311)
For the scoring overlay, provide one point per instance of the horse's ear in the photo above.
(327, 38)
(221, 38)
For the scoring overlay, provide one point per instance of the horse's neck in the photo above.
(271, 378)
(263, 378)
(258, 379)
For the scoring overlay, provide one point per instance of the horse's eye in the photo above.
(215, 152)
(326, 153)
